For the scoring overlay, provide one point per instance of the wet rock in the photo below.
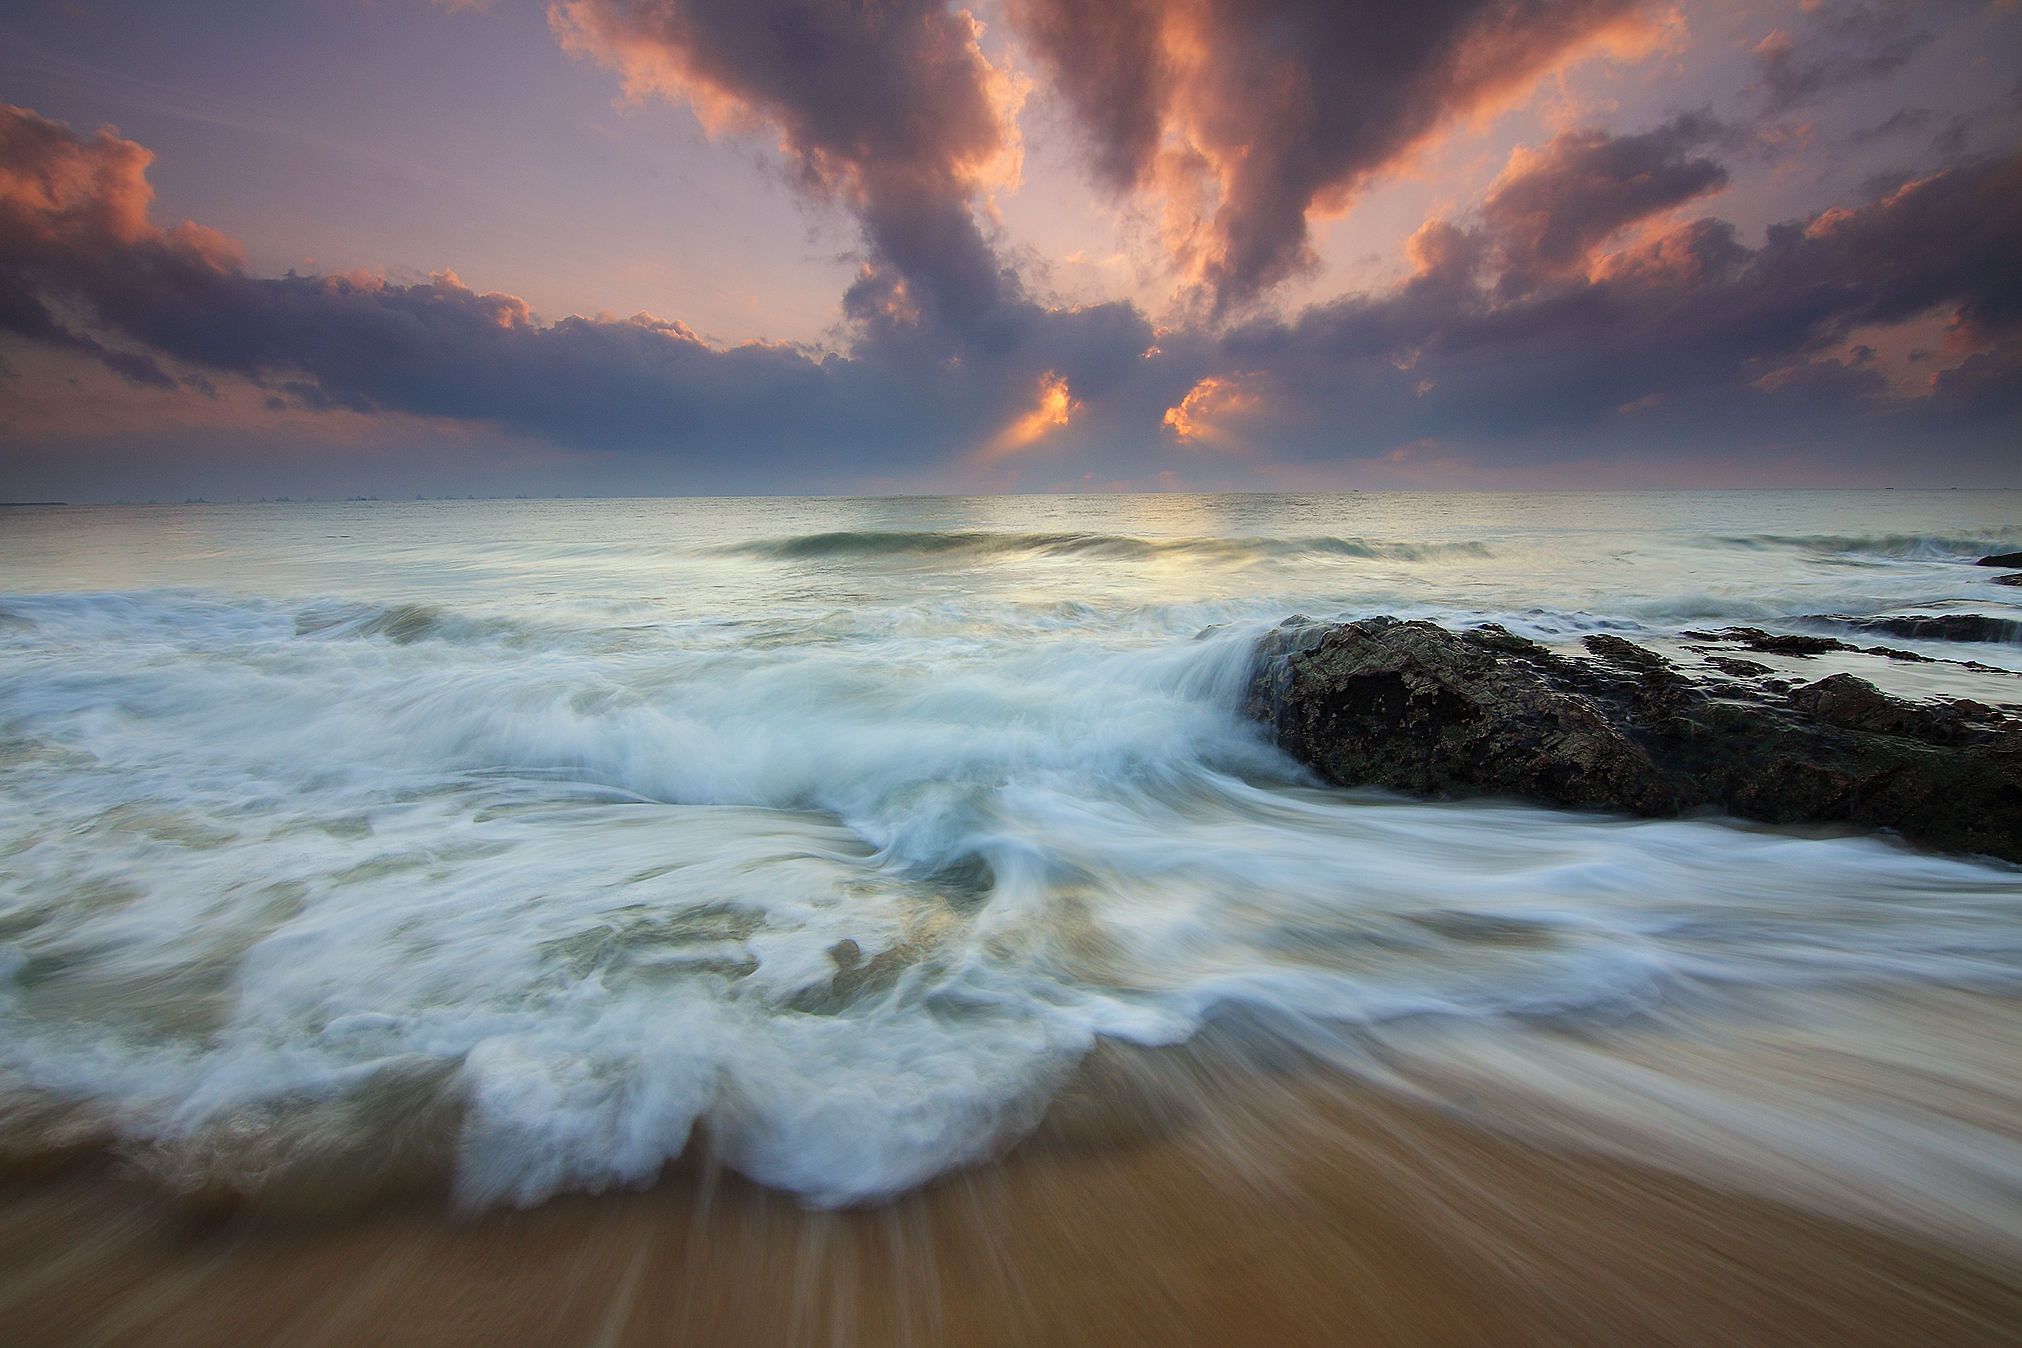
(1740, 669)
(1626, 654)
(1413, 707)
(1855, 704)
(2012, 578)
(1932, 627)
(1776, 643)
(1805, 647)
(2001, 559)
(855, 977)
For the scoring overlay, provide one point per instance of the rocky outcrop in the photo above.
(2001, 559)
(1411, 706)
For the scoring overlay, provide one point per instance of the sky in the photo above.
(666, 247)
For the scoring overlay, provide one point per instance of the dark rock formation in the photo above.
(1411, 706)
(1931, 627)
(1804, 647)
(2012, 578)
(1776, 643)
(2001, 559)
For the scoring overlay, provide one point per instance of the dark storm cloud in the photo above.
(1108, 59)
(1288, 104)
(892, 107)
(889, 106)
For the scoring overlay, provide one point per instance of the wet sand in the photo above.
(1203, 1203)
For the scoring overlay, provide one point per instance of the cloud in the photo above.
(66, 205)
(1570, 308)
(1110, 62)
(79, 261)
(1202, 416)
(82, 268)
(1843, 45)
(1262, 111)
(891, 107)
(1053, 408)
(1685, 328)
(1551, 208)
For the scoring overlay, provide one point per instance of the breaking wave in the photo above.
(1919, 547)
(513, 879)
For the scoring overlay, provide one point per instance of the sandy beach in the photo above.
(1298, 1209)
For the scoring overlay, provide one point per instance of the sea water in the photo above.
(842, 829)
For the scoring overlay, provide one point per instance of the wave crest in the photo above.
(1909, 547)
(982, 545)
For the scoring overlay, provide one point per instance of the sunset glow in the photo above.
(1011, 673)
(1542, 235)
(1055, 408)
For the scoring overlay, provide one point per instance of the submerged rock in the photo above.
(1804, 647)
(1411, 706)
(1776, 643)
(1932, 627)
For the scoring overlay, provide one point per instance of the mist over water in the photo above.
(523, 837)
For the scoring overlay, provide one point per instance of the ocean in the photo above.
(521, 843)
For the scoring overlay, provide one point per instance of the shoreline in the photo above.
(350, 864)
(1172, 1198)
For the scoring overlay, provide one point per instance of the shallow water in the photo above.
(848, 827)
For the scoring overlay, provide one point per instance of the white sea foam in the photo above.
(850, 850)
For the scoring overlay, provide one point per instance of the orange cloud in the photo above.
(1054, 408)
(54, 183)
(1198, 416)
(59, 189)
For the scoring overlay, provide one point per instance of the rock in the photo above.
(2001, 559)
(1408, 705)
(2012, 578)
(1626, 654)
(1776, 643)
(1938, 627)
(1413, 707)
(1805, 647)
(1855, 704)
